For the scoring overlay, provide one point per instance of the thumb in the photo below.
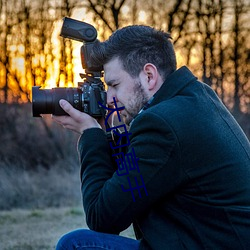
(66, 106)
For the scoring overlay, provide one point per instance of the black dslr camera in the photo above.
(89, 93)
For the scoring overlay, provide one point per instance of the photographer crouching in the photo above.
(181, 172)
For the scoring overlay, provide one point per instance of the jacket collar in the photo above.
(173, 84)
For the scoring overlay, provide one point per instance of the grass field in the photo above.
(37, 229)
(40, 229)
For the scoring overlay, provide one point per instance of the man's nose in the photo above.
(110, 98)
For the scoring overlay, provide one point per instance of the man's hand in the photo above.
(76, 121)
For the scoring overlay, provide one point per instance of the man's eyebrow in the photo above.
(110, 82)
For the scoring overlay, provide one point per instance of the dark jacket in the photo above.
(193, 172)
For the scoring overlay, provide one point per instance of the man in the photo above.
(189, 187)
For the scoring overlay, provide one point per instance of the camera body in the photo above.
(84, 98)
(89, 93)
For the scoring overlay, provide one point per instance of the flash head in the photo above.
(87, 34)
(77, 30)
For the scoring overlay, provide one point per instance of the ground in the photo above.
(40, 229)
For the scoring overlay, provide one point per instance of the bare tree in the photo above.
(11, 89)
(4, 56)
(217, 31)
(107, 11)
(66, 8)
(239, 53)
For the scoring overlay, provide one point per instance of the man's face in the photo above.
(127, 91)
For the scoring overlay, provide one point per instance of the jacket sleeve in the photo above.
(112, 200)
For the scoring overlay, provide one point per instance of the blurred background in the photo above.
(38, 159)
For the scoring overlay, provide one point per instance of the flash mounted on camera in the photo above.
(86, 33)
(89, 93)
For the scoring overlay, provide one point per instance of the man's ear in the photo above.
(152, 75)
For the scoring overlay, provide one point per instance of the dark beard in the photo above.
(141, 98)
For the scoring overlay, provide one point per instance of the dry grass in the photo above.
(40, 229)
(39, 164)
(36, 229)
(21, 188)
(39, 181)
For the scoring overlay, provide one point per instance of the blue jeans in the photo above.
(89, 240)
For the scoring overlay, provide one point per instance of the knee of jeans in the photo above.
(70, 240)
(66, 241)
(62, 242)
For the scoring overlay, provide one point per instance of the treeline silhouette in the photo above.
(211, 37)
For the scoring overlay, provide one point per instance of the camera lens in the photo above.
(46, 101)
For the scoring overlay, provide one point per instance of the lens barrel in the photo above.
(46, 101)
